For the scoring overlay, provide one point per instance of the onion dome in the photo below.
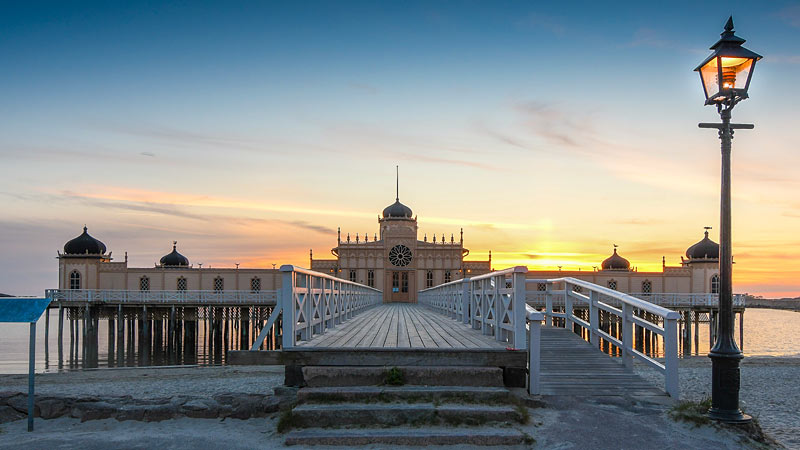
(705, 249)
(84, 245)
(397, 210)
(616, 262)
(174, 259)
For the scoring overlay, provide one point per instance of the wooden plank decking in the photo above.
(572, 366)
(402, 325)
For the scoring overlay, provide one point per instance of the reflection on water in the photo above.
(180, 336)
(203, 337)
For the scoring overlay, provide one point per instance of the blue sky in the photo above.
(250, 131)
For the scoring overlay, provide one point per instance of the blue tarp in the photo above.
(22, 309)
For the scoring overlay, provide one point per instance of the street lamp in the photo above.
(726, 76)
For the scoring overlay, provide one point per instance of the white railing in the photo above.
(194, 297)
(493, 303)
(666, 299)
(313, 303)
(597, 298)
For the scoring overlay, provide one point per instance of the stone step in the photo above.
(322, 376)
(383, 394)
(394, 414)
(423, 436)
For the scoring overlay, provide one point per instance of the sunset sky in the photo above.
(249, 132)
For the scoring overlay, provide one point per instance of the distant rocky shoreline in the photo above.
(792, 304)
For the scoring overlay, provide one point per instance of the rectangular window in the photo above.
(395, 282)
(404, 286)
(371, 278)
(612, 284)
(447, 276)
(541, 287)
(353, 276)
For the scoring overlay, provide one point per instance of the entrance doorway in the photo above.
(400, 286)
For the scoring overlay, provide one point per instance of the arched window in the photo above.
(612, 284)
(144, 284)
(255, 284)
(647, 287)
(447, 276)
(75, 280)
(715, 284)
(181, 284)
(352, 275)
(219, 284)
(429, 279)
(371, 278)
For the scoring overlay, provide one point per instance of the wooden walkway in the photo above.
(402, 325)
(572, 366)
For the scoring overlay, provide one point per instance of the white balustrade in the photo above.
(187, 297)
(666, 299)
(314, 302)
(493, 303)
(596, 298)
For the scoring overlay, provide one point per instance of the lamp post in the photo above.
(725, 76)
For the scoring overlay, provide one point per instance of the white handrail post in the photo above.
(534, 357)
(627, 335)
(671, 354)
(518, 303)
(568, 324)
(466, 301)
(499, 280)
(286, 300)
(548, 304)
(594, 317)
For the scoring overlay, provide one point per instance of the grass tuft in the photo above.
(287, 421)
(695, 413)
(393, 377)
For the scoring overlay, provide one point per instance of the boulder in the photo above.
(9, 414)
(157, 413)
(202, 409)
(93, 411)
(52, 407)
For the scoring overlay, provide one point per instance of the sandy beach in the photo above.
(768, 391)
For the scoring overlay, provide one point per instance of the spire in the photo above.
(174, 245)
(397, 191)
(462, 235)
(706, 228)
(729, 24)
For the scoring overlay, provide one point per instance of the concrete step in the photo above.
(384, 394)
(394, 414)
(423, 436)
(322, 376)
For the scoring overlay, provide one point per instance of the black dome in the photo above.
(705, 249)
(616, 262)
(84, 245)
(174, 259)
(397, 209)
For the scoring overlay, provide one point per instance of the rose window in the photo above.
(400, 255)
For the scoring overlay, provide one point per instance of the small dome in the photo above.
(616, 262)
(397, 209)
(84, 245)
(705, 249)
(174, 259)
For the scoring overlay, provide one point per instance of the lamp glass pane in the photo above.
(710, 77)
(738, 68)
